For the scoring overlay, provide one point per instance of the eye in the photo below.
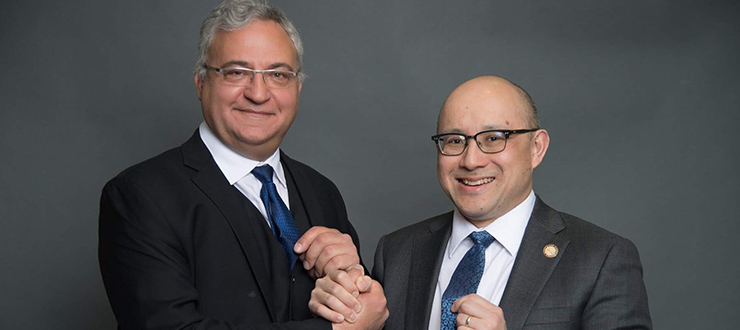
(233, 73)
(490, 137)
(454, 140)
(278, 76)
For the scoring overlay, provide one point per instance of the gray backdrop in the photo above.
(640, 98)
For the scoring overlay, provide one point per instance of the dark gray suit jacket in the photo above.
(595, 281)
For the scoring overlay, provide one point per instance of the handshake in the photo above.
(352, 300)
(349, 299)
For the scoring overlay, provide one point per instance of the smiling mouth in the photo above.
(254, 112)
(251, 110)
(475, 182)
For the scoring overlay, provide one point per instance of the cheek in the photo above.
(226, 96)
(445, 167)
(287, 99)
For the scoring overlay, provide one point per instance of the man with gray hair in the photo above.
(226, 231)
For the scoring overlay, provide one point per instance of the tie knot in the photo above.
(482, 237)
(263, 173)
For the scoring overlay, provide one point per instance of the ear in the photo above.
(540, 142)
(198, 85)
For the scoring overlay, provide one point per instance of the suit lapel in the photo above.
(428, 252)
(532, 269)
(230, 202)
(303, 188)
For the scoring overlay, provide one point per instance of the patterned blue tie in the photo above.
(466, 277)
(283, 225)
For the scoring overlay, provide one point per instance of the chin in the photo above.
(474, 213)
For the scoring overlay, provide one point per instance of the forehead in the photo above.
(257, 44)
(470, 109)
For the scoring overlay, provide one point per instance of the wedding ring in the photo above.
(467, 321)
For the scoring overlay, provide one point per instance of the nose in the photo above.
(473, 157)
(257, 90)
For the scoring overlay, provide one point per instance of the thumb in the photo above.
(364, 283)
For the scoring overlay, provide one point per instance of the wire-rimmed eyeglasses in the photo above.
(240, 76)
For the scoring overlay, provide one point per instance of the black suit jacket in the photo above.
(594, 282)
(180, 248)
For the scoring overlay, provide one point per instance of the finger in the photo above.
(353, 280)
(307, 239)
(491, 321)
(338, 261)
(355, 270)
(468, 299)
(482, 312)
(340, 285)
(312, 249)
(475, 309)
(374, 300)
(465, 321)
(324, 243)
(347, 281)
(363, 283)
(376, 289)
(325, 313)
(328, 299)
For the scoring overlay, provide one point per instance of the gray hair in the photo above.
(232, 15)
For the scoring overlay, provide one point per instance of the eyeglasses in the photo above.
(489, 142)
(239, 76)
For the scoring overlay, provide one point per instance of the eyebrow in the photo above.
(492, 127)
(485, 128)
(247, 65)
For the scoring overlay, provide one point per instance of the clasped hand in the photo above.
(323, 249)
(331, 257)
(350, 299)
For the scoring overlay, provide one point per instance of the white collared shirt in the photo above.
(508, 231)
(238, 170)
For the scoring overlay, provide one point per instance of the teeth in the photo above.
(476, 182)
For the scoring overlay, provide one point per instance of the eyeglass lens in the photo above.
(244, 77)
(489, 142)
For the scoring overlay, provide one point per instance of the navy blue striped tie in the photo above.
(466, 277)
(279, 215)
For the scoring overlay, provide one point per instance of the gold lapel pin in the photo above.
(550, 251)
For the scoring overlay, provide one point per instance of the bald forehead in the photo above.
(484, 94)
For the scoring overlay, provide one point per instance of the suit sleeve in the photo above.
(146, 272)
(378, 266)
(619, 298)
(334, 201)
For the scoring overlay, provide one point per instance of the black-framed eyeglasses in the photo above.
(239, 76)
(490, 142)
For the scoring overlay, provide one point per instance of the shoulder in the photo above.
(592, 243)
(304, 173)
(148, 194)
(165, 167)
(602, 270)
(568, 226)
(586, 231)
(407, 234)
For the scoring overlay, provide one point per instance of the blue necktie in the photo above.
(466, 277)
(282, 222)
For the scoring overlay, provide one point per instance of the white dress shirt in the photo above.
(238, 170)
(508, 231)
